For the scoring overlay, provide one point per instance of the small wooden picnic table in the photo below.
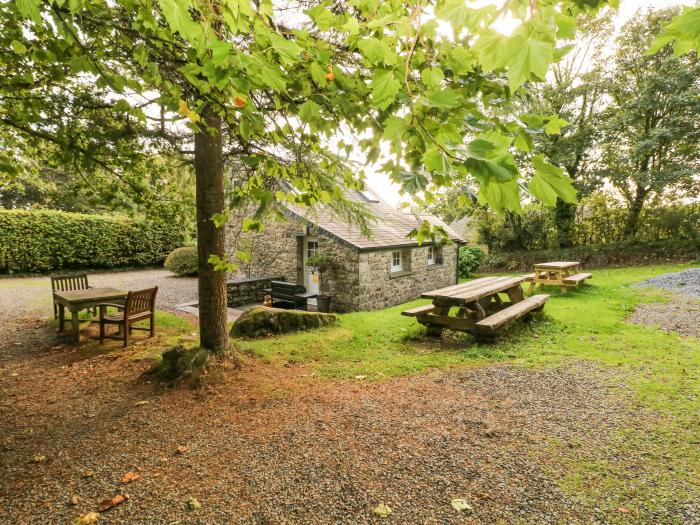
(76, 300)
(480, 309)
(565, 274)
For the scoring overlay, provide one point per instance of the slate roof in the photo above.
(390, 228)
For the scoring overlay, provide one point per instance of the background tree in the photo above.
(652, 123)
(575, 92)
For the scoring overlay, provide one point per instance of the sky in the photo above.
(380, 183)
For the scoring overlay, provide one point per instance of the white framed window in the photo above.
(396, 261)
(311, 248)
(431, 255)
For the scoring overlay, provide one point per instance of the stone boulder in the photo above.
(262, 320)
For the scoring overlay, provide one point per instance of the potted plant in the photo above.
(321, 263)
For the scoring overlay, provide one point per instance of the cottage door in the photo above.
(310, 277)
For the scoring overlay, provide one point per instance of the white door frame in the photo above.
(309, 284)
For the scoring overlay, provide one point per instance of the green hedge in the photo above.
(623, 254)
(47, 240)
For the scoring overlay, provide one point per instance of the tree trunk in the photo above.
(209, 171)
(564, 218)
(634, 212)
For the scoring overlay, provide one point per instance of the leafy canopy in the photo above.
(292, 77)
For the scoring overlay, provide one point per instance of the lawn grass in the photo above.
(588, 324)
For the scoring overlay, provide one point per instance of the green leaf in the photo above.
(288, 50)
(481, 149)
(271, 74)
(318, 74)
(434, 160)
(443, 98)
(394, 129)
(177, 14)
(432, 77)
(220, 51)
(251, 225)
(322, 17)
(309, 111)
(554, 125)
(29, 9)
(523, 141)
(18, 47)
(220, 219)
(384, 87)
(526, 56)
(549, 182)
(500, 195)
(377, 52)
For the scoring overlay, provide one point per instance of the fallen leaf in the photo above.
(74, 500)
(193, 503)
(140, 403)
(111, 502)
(87, 519)
(88, 473)
(360, 378)
(461, 504)
(130, 476)
(623, 510)
(181, 449)
(382, 510)
(38, 458)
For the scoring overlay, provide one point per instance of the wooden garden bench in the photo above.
(66, 283)
(495, 321)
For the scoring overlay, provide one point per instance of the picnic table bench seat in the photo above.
(496, 321)
(418, 310)
(579, 277)
(481, 306)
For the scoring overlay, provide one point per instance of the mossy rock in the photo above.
(261, 321)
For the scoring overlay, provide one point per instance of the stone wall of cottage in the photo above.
(357, 280)
(380, 288)
(273, 252)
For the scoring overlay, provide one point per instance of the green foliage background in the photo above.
(47, 240)
(469, 260)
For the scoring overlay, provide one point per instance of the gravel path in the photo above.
(274, 446)
(686, 282)
(681, 313)
(31, 296)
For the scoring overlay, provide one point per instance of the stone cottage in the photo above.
(384, 269)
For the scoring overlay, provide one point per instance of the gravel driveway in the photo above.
(681, 313)
(31, 296)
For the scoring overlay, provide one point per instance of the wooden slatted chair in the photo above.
(63, 283)
(139, 306)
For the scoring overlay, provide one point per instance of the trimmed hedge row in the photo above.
(625, 254)
(47, 240)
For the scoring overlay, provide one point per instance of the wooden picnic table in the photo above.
(565, 274)
(76, 300)
(482, 306)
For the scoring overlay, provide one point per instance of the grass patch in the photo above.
(587, 324)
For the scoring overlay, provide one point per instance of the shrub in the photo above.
(622, 254)
(47, 240)
(182, 261)
(469, 260)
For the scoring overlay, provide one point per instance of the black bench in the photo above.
(289, 295)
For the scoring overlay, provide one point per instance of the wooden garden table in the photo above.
(480, 309)
(76, 300)
(565, 274)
